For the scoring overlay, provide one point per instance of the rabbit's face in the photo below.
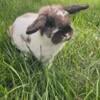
(57, 26)
(54, 22)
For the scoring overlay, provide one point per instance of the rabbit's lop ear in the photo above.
(76, 8)
(37, 24)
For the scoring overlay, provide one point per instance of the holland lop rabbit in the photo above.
(44, 33)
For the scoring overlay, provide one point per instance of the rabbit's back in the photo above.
(17, 31)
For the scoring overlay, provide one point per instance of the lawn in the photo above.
(75, 73)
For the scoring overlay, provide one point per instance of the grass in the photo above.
(75, 73)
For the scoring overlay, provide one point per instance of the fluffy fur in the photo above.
(43, 33)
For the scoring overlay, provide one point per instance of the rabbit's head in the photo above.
(54, 22)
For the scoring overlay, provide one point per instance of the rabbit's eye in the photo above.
(66, 29)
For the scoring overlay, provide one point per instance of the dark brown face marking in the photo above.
(61, 34)
(49, 27)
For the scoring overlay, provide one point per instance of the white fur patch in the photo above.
(62, 13)
(68, 36)
(54, 32)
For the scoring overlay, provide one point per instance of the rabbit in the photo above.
(44, 33)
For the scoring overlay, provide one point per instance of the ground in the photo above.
(75, 73)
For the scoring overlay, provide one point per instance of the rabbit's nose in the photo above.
(68, 36)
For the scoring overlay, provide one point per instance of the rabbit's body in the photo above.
(44, 33)
(41, 46)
